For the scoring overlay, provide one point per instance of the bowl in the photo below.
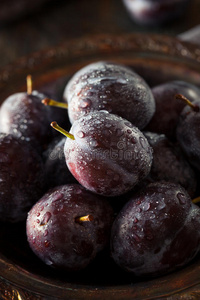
(22, 275)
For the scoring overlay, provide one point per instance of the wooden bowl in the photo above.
(22, 275)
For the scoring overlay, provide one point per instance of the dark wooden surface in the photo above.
(57, 21)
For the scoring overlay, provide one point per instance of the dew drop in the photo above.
(136, 238)
(47, 244)
(93, 143)
(161, 204)
(182, 199)
(146, 206)
(85, 103)
(133, 140)
(57, 197)
(45, 219)
(80, 134)
(142, 142)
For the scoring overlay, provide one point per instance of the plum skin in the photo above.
(109, 155)
(157, 231)
(57, 238)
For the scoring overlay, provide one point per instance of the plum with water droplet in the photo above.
(68, 226)
(112, 87)
(21, 178)
(168, 108)
(169, 163)
(157, 231)
(107, 154)
(24, 116)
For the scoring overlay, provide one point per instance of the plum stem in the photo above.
(61, 130)
(51, 102)
(87, 218)
(187, 101)
(29, 84)
(196, 200)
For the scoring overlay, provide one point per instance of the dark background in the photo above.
(24, 30)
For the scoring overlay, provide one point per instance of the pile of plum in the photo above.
(122, 177)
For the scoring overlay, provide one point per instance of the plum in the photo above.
(168, 108)
(157, 231)
(107, 154)
(68, 226)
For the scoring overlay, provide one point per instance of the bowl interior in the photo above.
(157, 59)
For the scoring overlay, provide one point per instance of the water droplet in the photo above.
(182, 198)
(80, 134)
(85, 103)
(128, 124)
(93, 143)
(119, 132)
(143, 142)
(146, 206)
(45, 219)
(57, 197)
(161, 204)
(47, 244)
(136, 238)
(133, 140)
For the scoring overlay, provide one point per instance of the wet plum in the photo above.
(68, 226)
(107, 155)
(168, 108)
(23, 115)
(157, 231)
(112, 87)
(169, 163)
